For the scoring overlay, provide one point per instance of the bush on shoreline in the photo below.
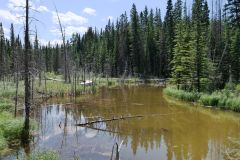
(227, 99)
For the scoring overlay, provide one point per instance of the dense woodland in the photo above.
(197, 49)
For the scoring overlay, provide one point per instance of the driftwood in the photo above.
(102, 130)
(124, 118)
(108, 120)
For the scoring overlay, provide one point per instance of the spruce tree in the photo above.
(169, 34)
(199, 48)
(235, 54)
(183, 66)
(136, 44)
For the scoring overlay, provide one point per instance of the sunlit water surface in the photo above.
(168, 129)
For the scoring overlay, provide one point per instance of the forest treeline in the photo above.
(197, 49)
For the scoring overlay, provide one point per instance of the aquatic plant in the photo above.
(48, 155)
(227, 99)
(182, 95)
(10, 127)
(45, 155)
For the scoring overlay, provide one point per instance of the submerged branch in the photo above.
(125, 118)
(109, 120)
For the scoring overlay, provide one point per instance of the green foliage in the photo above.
(235, 55)
(5, 105)
(183, 66)
(210, 100)
(11, 127)
(182, 95)
(9, 91)
(225, 99)
(47, 155)
(3, 142)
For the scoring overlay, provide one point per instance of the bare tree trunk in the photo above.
(64, 48)
(75, 85)
(16, 94)
(32, 95)
(26, 65)
(25, 133)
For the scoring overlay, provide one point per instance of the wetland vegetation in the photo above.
(87, 97)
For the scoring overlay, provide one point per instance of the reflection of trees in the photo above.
(193, 134)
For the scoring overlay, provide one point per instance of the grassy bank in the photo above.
(10, 130)
(227, 99)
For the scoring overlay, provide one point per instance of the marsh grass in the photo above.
(11, 130)
(182, 95)
(10, 127)
(45, 155)
(5, 104)
(9, 90)
(227, 99)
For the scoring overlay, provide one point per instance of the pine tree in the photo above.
(169, 34)
(232, 9)
(124, 46)
(199, 44)
(235, 54)
(183, 66)
(2, 51)
(13, 53)
(136, 44)
(177, 12)
(157, 32)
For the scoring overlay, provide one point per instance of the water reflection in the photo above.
(167, 130)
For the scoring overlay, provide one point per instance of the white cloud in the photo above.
(90, 11)
(69, 18)
(70, 30)
(43, 9)
(16, 5)
(9, 16)
(6, 30)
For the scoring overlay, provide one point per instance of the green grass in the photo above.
(11, 130)
(45, 155)
(209, 100)
(227, 99)
(3, 142)
(5, 104)
(9, 91)
(10, 127)
(182, 95)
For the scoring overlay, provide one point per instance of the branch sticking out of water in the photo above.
(109, 120)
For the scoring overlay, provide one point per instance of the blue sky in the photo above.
(76, 15)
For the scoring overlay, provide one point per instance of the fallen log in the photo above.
(108, 120)
(102, 130)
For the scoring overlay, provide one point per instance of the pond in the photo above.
(165, 129)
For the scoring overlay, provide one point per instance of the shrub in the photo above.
(238, 89)
(11, 127)
(182, 95)
(227, 99)
(3, 143)
(46, 155)
(209, 100)
(234, 104)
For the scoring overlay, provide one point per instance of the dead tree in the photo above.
(66, 72)
(27, 82)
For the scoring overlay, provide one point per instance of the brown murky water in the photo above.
(167, 131)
